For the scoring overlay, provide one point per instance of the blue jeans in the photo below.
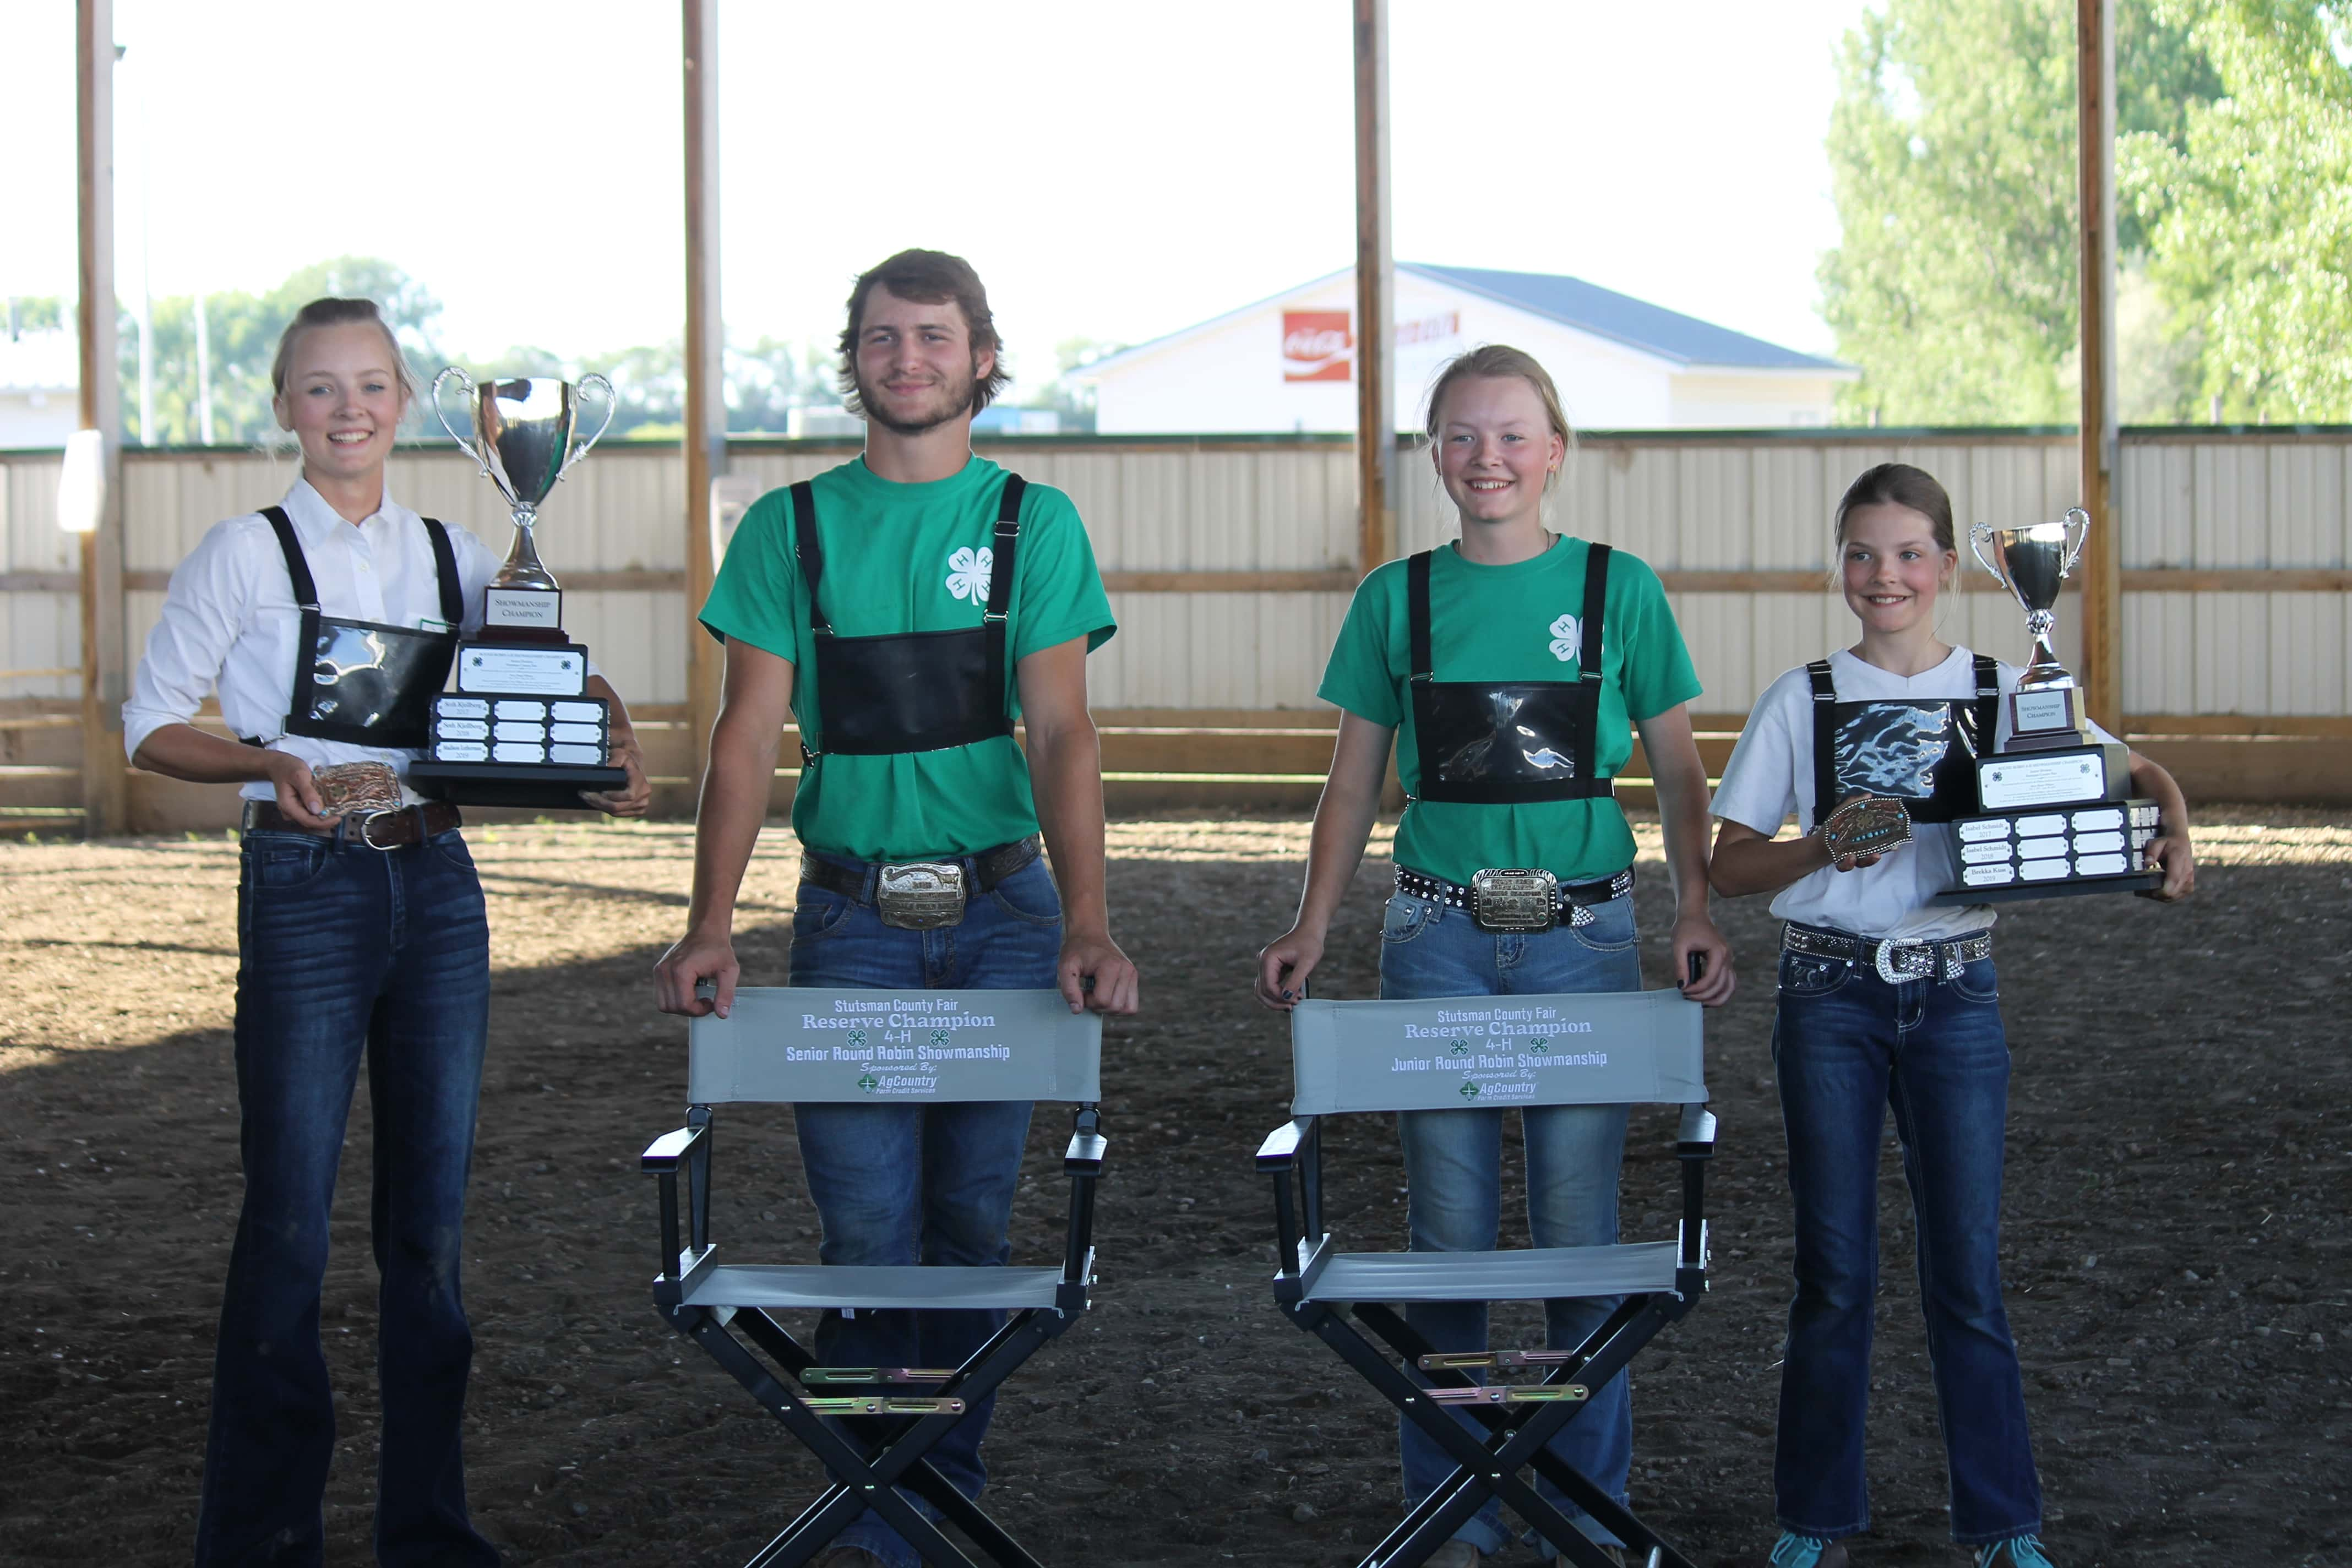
(1453, 1161)
(897, 1184)
(1846, 1045)
(346, 952)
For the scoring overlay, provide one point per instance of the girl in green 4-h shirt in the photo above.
(1509, 666)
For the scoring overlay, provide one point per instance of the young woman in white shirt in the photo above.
(326, 623)
(1887, 999)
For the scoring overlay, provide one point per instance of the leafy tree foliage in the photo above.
(765, 380)
(2250, 213)
(1951, 151)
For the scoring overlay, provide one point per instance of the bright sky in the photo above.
(1115, 171)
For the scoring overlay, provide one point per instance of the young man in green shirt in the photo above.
(905, 608)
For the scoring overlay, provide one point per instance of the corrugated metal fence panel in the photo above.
(2282, 502)
(2278, 503)
(1683, 504)
(1215, 650)
(37, 631)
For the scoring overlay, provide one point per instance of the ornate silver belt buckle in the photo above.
(922, 895)
(1901, 961)
(1513, 901)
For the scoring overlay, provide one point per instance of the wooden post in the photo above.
(1375, 293)
(104, 781)
(2103, 553)
(706, 396)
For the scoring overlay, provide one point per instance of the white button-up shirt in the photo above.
(230, 620)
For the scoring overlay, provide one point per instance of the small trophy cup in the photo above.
(520, 729)
(2057, 819)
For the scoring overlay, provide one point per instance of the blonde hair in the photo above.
(1494, 362)
(334, 312)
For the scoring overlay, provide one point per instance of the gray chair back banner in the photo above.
(828, 1044)
(1597, 1047)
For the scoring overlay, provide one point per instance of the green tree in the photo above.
(242, 331)
(2251, 212)
(1951, 150)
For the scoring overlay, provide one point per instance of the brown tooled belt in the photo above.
(383, 830)
(989, 866)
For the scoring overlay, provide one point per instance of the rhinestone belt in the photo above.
(1571, 905)
(1895, 960)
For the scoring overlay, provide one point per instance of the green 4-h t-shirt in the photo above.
(1513, 623)
(910, 558)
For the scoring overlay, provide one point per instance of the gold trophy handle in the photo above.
(440, 412)
(612, 402)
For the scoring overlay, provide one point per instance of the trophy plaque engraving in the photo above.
(520, 729)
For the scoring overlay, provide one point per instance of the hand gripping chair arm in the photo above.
(687, 1149)
(1695, 1146)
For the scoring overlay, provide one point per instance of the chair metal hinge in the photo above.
(878, 1404)
(837, 1376)
(1537, 1394)
(1454, 1361)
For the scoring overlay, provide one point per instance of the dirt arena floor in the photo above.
(2179, 1178)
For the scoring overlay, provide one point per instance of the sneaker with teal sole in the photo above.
(1794, 1551)
(2017, 1551)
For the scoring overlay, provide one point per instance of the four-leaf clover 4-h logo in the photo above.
(1566, 638)
(939, 1036)
(968, 572)
(1541, 1048)
(856, 1039)
(1457, 1047)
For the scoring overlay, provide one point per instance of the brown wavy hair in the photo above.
(929, 278)
(1900, 484)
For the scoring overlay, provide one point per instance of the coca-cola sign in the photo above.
(1316, 345)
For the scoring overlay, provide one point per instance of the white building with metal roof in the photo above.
(41, 372)
(1287, 364)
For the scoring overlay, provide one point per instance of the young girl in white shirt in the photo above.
(1887, 999)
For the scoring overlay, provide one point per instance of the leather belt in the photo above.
(862, 879)
(1894, 960)
(377, 830)
(1572, 904)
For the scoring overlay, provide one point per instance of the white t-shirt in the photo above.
(1770, 778)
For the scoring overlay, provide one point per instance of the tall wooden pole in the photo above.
(706, 396)
(1375, 293)
(2103, 553)
(104, 782)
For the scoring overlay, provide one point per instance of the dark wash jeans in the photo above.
(346, 952)
(1846, 1045)
(897, 1184)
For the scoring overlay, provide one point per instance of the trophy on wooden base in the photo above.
(520, 729)
(2056, 817)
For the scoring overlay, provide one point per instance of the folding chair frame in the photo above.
(870, 1474)
(1517, 1434)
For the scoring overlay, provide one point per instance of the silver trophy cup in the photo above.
(522, 436)
(2034, 562)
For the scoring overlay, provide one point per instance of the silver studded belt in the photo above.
(1518, 900)
(1894, 960)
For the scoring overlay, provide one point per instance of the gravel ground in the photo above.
(2176, 1227)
